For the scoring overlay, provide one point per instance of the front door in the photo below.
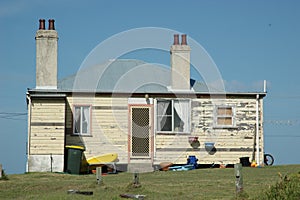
(140, 132)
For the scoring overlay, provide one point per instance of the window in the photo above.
(224, 116)
(173, 116)
(82, 120)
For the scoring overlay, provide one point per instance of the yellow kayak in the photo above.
(104, 158)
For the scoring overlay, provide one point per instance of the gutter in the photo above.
(28, 129)
(64, 93)
(257, 130)
(48, 95)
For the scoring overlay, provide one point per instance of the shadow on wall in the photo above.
(73, 140)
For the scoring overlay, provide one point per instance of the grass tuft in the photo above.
(288, 187)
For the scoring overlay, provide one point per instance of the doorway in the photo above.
(141, 140)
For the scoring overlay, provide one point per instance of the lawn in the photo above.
(195, 184)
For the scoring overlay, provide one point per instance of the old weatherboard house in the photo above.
(149, 124)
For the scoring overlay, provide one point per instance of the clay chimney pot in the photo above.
(183, 39)
(51, 24)
(42, 24)
(176, 39)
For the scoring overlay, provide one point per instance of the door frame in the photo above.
(151, 131)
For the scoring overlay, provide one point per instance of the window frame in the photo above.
(89, 126)
(218, 116)
(173, 131)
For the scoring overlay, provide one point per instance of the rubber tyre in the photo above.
(268, 159)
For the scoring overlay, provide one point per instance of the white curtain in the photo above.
(77, 120)
(86, 120)
(182, 110)
(162, 107)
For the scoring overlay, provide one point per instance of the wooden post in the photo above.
(136, 178)
(238, 178)
(0, 170)
(99, 175)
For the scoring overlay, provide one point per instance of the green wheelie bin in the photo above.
(74, 157)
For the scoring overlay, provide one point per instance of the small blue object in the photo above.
(181, 168)
(192, 160)
(209, 144)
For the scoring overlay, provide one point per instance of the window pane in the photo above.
(85, 120)
(181, 116)
(82, 120)
(165, 123)
(225, 111)
(224, 121)
(77, 120)
(164, 115)
(164, 108)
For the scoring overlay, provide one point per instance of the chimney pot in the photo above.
(51, 24)
(183, 39)
(176, 39)
(42, 24)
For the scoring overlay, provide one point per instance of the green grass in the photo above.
(194, 184)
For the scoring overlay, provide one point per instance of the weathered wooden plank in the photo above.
(107, 116)
(47, 101)
(37, 151)
(47, 141)
(108, 121)
(54, 115)
(47, 133)
(48, 128)
(45, 146)
(109, 126)
(52, 119)
(58, 138)
(43, 124)
(47, 136)
(51, 109)
(48, 117)
(97, 101)
(48, 105)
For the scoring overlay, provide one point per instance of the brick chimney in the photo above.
(180, 64)
(46, 56)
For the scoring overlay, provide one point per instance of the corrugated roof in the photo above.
(123, 75)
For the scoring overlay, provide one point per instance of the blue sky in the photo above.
(249, 41)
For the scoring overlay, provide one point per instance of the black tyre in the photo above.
(268, 159)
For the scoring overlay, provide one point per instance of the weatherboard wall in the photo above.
(230, 143)
(46, 134)
(109, 122)
(109, 131)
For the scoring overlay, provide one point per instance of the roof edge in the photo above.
(57, 93)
